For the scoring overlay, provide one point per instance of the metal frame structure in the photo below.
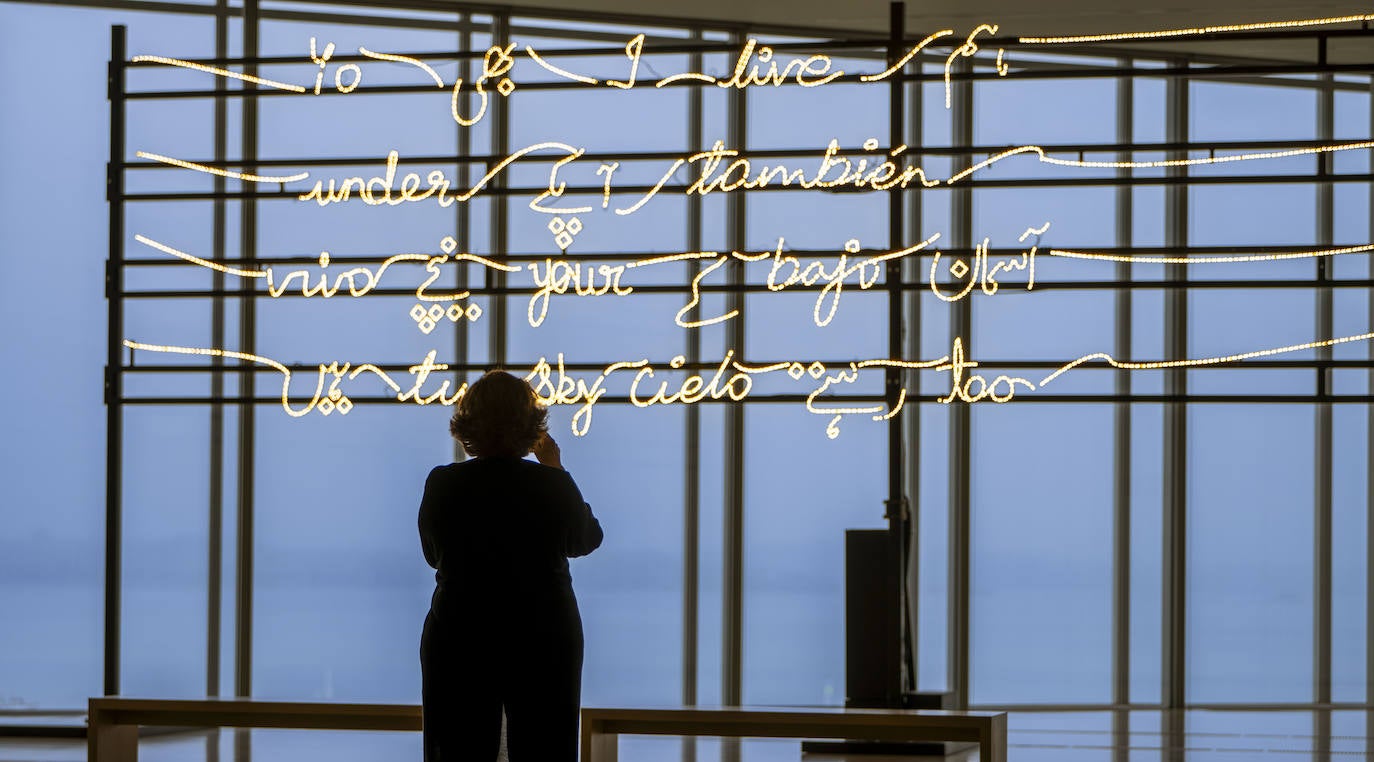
(903, 287)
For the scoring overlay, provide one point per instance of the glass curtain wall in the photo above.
(1064, 538)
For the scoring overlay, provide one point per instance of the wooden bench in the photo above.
(602, 727)
(113, 722)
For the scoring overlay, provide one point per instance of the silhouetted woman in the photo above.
(503, 630)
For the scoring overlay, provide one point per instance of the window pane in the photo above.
(1042, 568)
(1250, 553)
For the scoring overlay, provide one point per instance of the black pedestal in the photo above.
(873, 647)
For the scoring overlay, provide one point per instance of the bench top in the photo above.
(758, 711)
(210, 705)
(257, 706)
(247, 712)
(796, 722)
(833, 716)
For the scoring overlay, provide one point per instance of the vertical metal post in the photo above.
(896, 512)
(960, 425)
(1369, 491)
(214, 555)
(691, 462)
(1121, 432)
(463, 211)
(500, 217)
(114, 379)
(215, 542)
(248, 387)
(1175, 489)
(247, 423)
(1322, 476)
(732, 614)
(1121, 463)
(912, 420)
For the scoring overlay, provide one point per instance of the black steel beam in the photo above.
(114, 391)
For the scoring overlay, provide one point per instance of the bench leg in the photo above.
(598, 746)
(992, 747)
(111, 743)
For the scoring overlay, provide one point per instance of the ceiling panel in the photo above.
(1016, 18)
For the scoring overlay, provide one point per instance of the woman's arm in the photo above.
(584, 532)
(429, 518)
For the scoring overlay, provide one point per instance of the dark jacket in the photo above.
(499, 532)
(503, 632)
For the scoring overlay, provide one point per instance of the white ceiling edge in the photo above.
(1015, 18)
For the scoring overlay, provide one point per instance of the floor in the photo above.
(1136, 736)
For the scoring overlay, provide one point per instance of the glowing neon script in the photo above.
(229, 173)
(981, 275)
(1210, 259)
(835, 278)
(837, 172)
(1200, 161)
(558, 276)
(360, 281)
(740, 174)
(1201, 30)
(881, 172)
(1204, 361)
(755, 66)
(378, 190)
(730, 379)
(963, 389)
(368, 277)
(219, 72)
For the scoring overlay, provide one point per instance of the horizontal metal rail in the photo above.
(762, 288)
(1211, 72)
(587, 367)
(992, 252)
(671, 46)
(1021, 399)
(1195, 146)
(666, 191)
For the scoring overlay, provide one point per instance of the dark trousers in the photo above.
(474, 666)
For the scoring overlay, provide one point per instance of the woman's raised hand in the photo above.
(547, 452)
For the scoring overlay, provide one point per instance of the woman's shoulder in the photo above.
(443, 471)
(533, 470)
(473, 467)
(458, 476)
(533, 473)
(480, 464)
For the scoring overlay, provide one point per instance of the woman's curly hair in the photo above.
(499, 415)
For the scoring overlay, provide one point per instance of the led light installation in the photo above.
(831, 392)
